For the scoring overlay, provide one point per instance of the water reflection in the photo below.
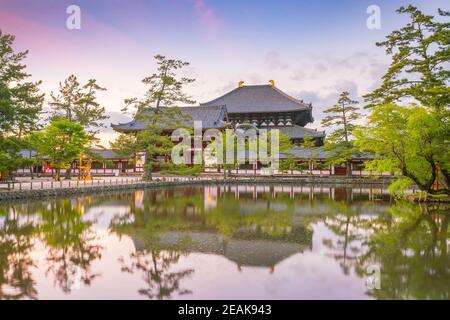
(71, 243)
(166, 243)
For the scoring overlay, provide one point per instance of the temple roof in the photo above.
(322, 153)
(258, 98)
(106, 153)
(247, 251)
(211, 117)
(298, 132)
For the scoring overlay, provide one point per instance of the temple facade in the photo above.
(264, 106)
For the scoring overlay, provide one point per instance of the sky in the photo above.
(312, 49)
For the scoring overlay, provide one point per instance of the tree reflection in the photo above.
(170, 223)
(350, 227)
(155, 265)
(409, 245)
(412, 253)
(71, 243)
(16, 244)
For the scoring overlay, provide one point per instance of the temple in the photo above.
(264, 106)
(212, 117)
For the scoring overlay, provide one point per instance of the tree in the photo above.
(71, 242)
(20, 106)
(165, 89)
(78, 103)
(126, 146)
(342, 115)
(419, 71)
(309, 144)
(61, 141)
(407, 140)
(17, 242)
(419, 68)
(285, 144)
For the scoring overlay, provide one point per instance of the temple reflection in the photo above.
(249, 228)
(250, 225)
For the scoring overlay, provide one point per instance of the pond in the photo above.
(225, 242)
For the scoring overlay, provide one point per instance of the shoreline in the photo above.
(184, 181)
(159, 182)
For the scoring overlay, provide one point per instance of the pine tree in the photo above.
(157, 110)
(339, 142)
(78, 103)
(20, 106)
(419, 68)
(419, 71)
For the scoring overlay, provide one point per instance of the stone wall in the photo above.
(65, 192)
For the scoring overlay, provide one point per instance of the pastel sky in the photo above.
(312, 49)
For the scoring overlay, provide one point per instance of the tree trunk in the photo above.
(31, 172)
(58, 175)
(68, 174)
(147, 176)
(349, 168)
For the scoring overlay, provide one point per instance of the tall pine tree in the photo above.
(20, 106)
(419, 72)
(339, 142)
(78, 103)
(157, 109)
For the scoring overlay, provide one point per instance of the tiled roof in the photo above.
(298, 132)
(211, 117)
(105, 153)
(321, 153)
(27, 153)
(258, 98)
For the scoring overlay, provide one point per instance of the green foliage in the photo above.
(78, 103)
(342, 115)
(408, 140)
(184, 170)
(311, 155)
(20, 101)
(61, 141)
(10, 157)
(419, 68)
(20, 105)
(126, 146)
(399, 186)
(164, 88)
(155, 140)
(339, 143)
(413, 140)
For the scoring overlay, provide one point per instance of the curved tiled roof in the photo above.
(211, 117)
(258, 98)
(297, 132)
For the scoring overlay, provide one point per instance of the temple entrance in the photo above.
(340, 171)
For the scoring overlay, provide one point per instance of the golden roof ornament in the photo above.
(272, 83)
(240, 84)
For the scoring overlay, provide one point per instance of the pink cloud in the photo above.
(30, 34)
(207, 15)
